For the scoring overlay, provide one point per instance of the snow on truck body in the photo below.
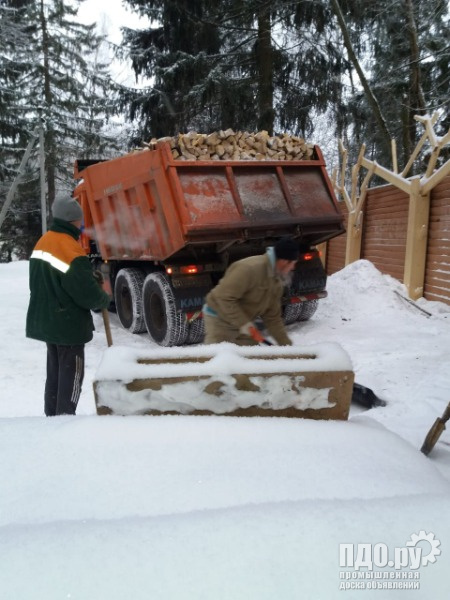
(164, 231)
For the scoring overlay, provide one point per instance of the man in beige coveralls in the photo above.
(251, 288)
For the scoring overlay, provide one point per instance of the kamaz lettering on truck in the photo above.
(163, 231)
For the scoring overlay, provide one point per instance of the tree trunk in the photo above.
(264, 53)
(416, 96)
(49, 138)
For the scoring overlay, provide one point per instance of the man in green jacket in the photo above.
(251, 288)
(63, 291)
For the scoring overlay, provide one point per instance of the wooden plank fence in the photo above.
(402, 227)
(437, 270)
(384, 234)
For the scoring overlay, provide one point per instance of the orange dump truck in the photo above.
(163, 231)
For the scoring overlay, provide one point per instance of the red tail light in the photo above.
(308, 256)
(189, 270)
(184, 270)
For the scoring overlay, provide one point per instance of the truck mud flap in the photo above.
(189, 300)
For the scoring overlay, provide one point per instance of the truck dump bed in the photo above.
(146, 205)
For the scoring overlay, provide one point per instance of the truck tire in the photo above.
(128, 299)
(308, 309)
(196, 332)
(165, 325)
(292, 312)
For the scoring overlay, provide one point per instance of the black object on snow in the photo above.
(366, 397)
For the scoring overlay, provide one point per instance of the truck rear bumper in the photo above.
(307, 297)
(198, 314)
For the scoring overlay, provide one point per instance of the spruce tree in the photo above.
(246, 64)
(73, 93)
(13, 42)
(61, 79)
(256, 64)
(14, 134)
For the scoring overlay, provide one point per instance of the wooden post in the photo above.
(416, 241)
(354, 237)
(356, 214)
(394, 156)
(322, 249)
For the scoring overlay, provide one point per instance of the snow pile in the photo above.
(116, 467)
(361, 290)
(206, 507)
(180, 507)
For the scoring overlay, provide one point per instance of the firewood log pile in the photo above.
(236, 145)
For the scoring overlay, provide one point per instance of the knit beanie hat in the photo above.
(67, 209)
(286, 248)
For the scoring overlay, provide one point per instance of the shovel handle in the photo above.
(105, 315)
(446, 416)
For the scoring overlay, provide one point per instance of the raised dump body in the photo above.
(165, 230)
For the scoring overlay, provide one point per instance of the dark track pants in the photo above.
(65, 372)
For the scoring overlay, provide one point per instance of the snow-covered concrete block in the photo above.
(224, 379)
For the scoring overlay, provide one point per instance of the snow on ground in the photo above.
(179, 507)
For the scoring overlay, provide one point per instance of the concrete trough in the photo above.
(313, 382)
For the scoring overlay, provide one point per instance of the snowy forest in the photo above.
(326, 70)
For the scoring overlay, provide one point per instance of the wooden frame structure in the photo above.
(417, 187)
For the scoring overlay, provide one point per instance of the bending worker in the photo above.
(251, 288)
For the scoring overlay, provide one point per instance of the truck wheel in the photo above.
(292, 312)
(128, 299)
(165, 325)
(308, 309)
(196, 331)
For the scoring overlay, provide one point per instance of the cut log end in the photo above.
(235, 145)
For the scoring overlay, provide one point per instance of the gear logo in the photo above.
(434, 544)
